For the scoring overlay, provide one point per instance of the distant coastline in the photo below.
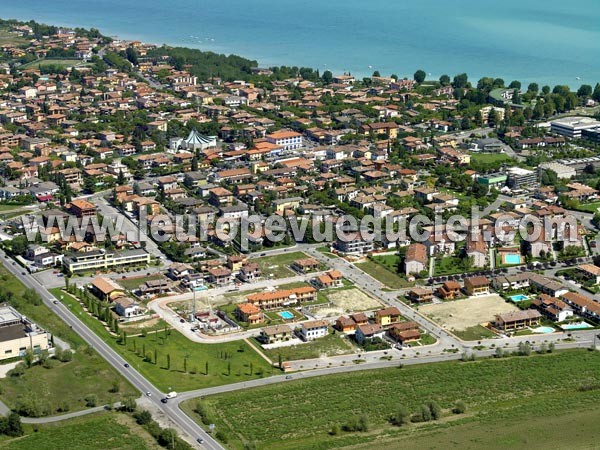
(360, 40)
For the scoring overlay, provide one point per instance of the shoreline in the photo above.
(267, 62)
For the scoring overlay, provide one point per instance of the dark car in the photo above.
(200, 441)
(164, 400)
(126, 365)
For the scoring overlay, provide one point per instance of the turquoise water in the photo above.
(548, 41)
(286, 315)
(543, 330)
(518, 298)
(576, 326)
(512, 258)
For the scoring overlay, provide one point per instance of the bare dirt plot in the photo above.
(462, 314)
(347, 301)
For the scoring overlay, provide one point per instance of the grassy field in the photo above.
(487, 158)
(8, 38)
(508, 396)
(105, 431)
(276, 266)
(244, 362)
(450, 265)
(133, 283)
(39, 313)
(474, 333)
(330, 345)
(66, 384)
(60, 62)
(589, 207)
(383, 275)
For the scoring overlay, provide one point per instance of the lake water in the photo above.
(548, 41)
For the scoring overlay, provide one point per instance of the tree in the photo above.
(584, 91)
(129, 404)
(419, 76)
(533, 87)
(436, 411)
(143, 417)
(459, 407)
(327, 77)
(28, 357)
(132, 55)
(424, 414)
(460, 81)
(445, 80)
(401, 416)
(516, 99)
(376, 74)
(515, 84)
(363, 423)
(91, 400)
(596, 93)
(13, 425)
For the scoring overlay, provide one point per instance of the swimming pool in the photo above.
(576, 326)
(286, 315)
(518, 298)
(543, 330)
(512, 258)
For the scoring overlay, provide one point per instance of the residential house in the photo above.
(517, 320)
(420, 295)
(313, 329)
(387, 316)
(275, 333)
(478, 285)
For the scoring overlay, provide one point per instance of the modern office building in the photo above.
(18, 334)
(518, 178)
(101, 259)
(573, 127)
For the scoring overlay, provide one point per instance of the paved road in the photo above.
(178, 417)
(130, 229)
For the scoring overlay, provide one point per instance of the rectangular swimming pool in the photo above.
(286, 315)
(512, 258)
(576, 326)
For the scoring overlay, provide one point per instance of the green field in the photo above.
(101, 431)
(64, 385)
(488, 158)
(589, 207)
(520, 391)
(330, 345)
(59, 62)
(188, 359)
(276, 266)
(133, 283)
(474, 333)
(383, 275)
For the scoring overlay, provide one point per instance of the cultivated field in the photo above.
(462, 314)
(506, 407)
(346, 301)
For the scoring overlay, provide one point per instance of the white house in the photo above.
(313, 329)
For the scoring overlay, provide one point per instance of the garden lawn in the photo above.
(133, 283)
(496, 392)
(474, 333)
(276, 266)
(383, 275)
